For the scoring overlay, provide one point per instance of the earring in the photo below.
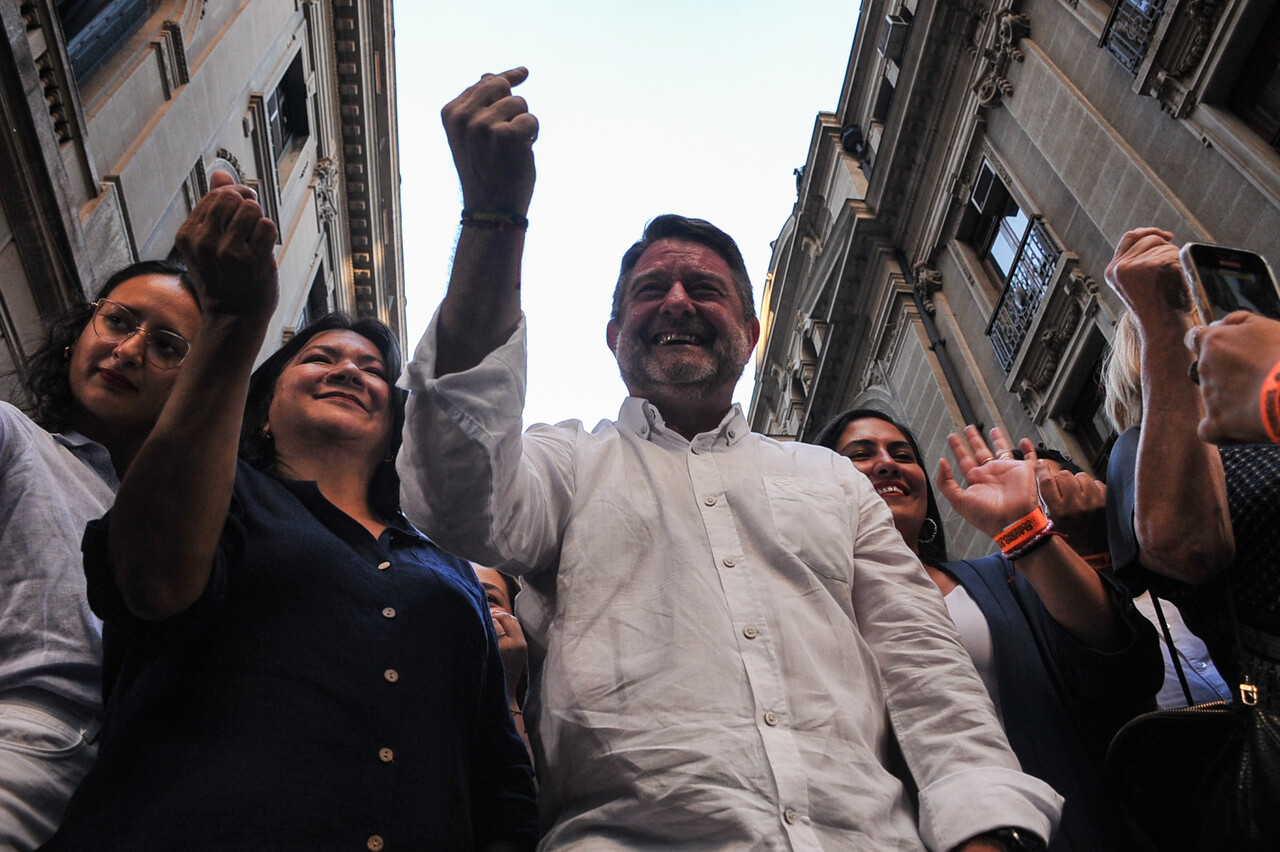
(66, 353)
(265, 432)
(933, 534)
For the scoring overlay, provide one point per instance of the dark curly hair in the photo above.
(260, 451)
(933, 552)
(48, 380)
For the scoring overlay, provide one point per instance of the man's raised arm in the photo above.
(491, 133)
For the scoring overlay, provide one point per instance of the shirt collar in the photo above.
(94, 455)
(308, 493)
(642, 417)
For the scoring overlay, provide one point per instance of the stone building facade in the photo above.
(119, 110)
(957, 210)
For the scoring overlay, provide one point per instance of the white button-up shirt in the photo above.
(722, 631)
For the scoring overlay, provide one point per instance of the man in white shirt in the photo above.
(726, 631)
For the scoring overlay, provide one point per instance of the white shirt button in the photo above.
(709, 501)
(389, 612)
(695, 450)
(750, 632)
(391, 675)
(374, 843)
(386, 755)
(790, 816)
(770, 718)
(382, 566)
(729, 562)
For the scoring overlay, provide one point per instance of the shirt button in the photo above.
(374, 843)
(386, 755)
(389, 612)
(790, 816)
(729, 562)
(709, 501)
(770, 718)
(1198, 666)
(382, 566)
(695, 450)
(391, 675)
(750, 632)
(732, 434)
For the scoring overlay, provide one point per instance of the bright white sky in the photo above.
(697, 107)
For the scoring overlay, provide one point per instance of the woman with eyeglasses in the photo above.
(300, 668)
(95, 388)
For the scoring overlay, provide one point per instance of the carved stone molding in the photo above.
(1080, 285)
(993, 84)
(172, 50)
(326, 188)
(927, 282)
(233, 161)
(54, 97)
(1188, 36)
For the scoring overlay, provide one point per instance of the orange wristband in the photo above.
(1269, 402)
(1022, 530)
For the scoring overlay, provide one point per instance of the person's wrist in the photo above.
(1269, 403)
(494, 219)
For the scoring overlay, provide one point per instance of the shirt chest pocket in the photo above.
(813, 523)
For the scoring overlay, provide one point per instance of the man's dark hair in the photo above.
(48, 379)
(669, 226)
(260, 451)
(932, 552)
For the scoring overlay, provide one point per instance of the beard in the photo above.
(699, 370)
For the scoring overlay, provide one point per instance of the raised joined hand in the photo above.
(229, 248)
(999, 490)
(491, 133)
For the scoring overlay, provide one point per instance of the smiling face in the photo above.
(681, 328)
(117, 389)
(334, 390)
(884, 455)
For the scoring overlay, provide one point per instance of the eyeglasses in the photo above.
(115, 323)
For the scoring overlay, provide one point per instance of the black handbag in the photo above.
(1201, 777)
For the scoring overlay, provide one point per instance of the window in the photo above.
(95, 28)
(286, 109)
(1084, 416)
(1256, 94)
(994, 225)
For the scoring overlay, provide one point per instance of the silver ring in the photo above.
(502, 635)
(1006, 455)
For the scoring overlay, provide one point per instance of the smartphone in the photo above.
(1224, 279)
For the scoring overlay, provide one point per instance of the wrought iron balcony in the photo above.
(1032, 274)
(1130, 27)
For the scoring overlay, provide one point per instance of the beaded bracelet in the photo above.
(1269, 402)
(1040, 540)
(494, 220)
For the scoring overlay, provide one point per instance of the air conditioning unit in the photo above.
(893, 37)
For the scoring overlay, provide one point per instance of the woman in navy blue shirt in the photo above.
(291, 665)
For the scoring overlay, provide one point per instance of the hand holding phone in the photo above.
(1222, 280)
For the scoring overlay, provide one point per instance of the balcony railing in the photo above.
(1129, 29)
(1031, 276)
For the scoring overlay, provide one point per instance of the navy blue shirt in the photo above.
(328, 691)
